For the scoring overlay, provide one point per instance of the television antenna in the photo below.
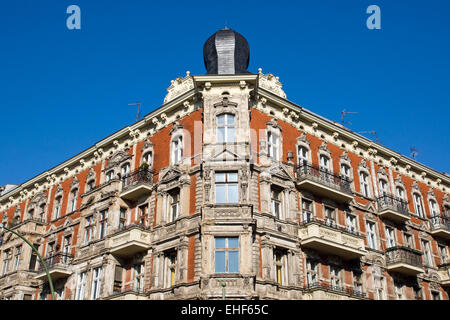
(138, 104)
(372, 132)
(343, 113)
(414, 152)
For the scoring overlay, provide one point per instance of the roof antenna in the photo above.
(138, 104)
(372, 132)
(343, 113)
(414, 152)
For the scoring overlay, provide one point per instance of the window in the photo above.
(408, 240)
(312, 275)
(418, 204)
(357, 283)
(280, 267)
(33, 259)
(418, 292)
(335, 280)
(31, 214)
(50, 250)
(67, 248)
(174, 198)
(379, 285)
(383, 187)
(390, 237)
(17, 257)
(88, 229)
(364, 180)
(226, 187)
(371, 235)
(276, 202)
(225, 128)
(81, 285)
(96, 282)
(226, 255)
(307, 212)
(273, 145)
(170, 261)
(324, 163)
(109, 175)
(6, 257)
(148, 158)
(435, 295)
(42, 212)
(142, 214)
(443, 253)
(330, 216)
(345, 171)
(433, 208)
(303, 155)
(57, 210)
(139, 276)
(73, 200)
(122, 218)
(90, 185)
(103, 222)
(351, 223)
(400, 193)
(125, 170)
(428, 260)
(177, 149)
(398, 290)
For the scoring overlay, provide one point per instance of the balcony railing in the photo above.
(58, 265)
(330, 223)
(323, 181)
(337, 289)
(130, 239)
(404, 260)
(136, 184)
(130, 289)
(440, 226)
(393, 207)
(56, 259)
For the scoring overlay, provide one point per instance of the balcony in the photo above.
(129, 292)
(58, 266)
(136, 184)
(404, 260)
(440, 226)
(327, 237)
(444, 273)
(326, 291)
(393, 208)
(128, 241)
(31, 225)
(323, 183)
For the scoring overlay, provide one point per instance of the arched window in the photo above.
(109, 175)
(73, 200)
(364, 181)
(383, 187)
(434, 210)
(226, 128)
(90, 185)
(418, 204)
(345, 171)
(303, 155)
(148, 158)
(177, 149)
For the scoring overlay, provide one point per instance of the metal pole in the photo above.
(39, 256)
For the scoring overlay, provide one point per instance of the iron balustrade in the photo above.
(133, 225)
(137, 177)
(399, 254)
(62, 259)
(438, 222)
(130, 288)
(308, 171)
(96, 188)
(329, 287)
(330, 223)
(388, 201)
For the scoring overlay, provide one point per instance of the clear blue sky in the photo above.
(63, 90)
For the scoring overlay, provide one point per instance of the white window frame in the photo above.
(418, 205)
(390, 237)
(81, 286)
(364, 181)
(228, 128)
(177, 149)
(371, 235)
(97, 275)
(273, 144)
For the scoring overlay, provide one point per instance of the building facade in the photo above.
(229, 185)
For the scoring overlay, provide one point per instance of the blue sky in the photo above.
(63, 90)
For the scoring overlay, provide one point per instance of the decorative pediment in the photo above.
(431, 194)
(344, 156)
(59, 189)
(303, 139)
(363, 164)
(225, 103)
(382, 172)
(415, 186)
(280, 170)
(399, 180)
(39, 198)
(271, 83)
(147, 145)
(171, 174)
(274, 124)
(226, 155)
(75, 182)
(323, 147)
(179, 86)
(68, 222)
(176, 126)
(117, 158)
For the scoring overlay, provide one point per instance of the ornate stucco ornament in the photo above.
(179, 86)
(271, 83)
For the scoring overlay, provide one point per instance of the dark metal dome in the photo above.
(226, 52)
